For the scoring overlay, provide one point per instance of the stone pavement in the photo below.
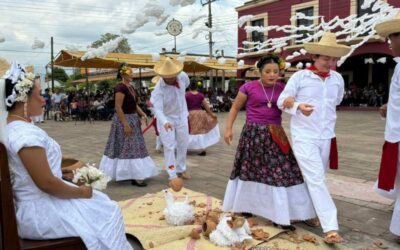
(363, 216)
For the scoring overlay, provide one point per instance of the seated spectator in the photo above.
(83, 108)
(47, 207)
(99, 108)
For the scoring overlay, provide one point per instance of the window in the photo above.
(361, 11)
(305, 22)
(255, 35)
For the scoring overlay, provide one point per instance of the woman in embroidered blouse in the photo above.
(126, 156)
(265, 179)
(48, 207)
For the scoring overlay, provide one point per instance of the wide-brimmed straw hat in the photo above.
(168, 68)
(389, 27)
(4, 66)
(327, 46)
(155, 80)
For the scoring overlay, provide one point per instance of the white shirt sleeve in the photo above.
(157, 100)
(185, 79)
(341, 90)
(289, 90)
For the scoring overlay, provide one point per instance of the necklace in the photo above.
(269, 104)
(23, 118)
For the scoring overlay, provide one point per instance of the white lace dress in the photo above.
(98, 220)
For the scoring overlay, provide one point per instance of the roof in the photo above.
(144, 75)
(113, 60)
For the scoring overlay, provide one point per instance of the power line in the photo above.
(24, 51)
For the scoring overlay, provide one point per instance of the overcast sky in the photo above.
(80, 22)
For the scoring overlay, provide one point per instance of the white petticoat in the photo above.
(129, 169)
(278, 204)
(204, 141)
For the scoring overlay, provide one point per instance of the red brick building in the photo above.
(278, 12)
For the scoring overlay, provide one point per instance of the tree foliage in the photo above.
(123, 46)
(59, 75)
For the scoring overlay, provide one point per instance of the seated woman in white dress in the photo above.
(46, 206)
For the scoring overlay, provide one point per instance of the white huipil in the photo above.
(97, 221)
(311, 136)
(392, 134)
(169, 104)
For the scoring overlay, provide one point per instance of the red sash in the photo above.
(333, 155)
(152, 124)
(278, 135)
(388, 169)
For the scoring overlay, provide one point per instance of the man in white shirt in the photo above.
(56, 98)
(169, 103)
(389, 174)
(311, 97)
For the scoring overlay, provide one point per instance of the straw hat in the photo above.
(155, 80)
(389, 27)
(4, 66)
(168, 68)
(327, 46)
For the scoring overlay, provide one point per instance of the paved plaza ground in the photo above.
(363, 216)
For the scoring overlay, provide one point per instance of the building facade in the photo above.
(356, 72)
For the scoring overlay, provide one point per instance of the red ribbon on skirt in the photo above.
(388, 169)
(334, 155)
(153, 123)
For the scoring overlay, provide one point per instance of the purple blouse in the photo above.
(194, 102)
(257, 110)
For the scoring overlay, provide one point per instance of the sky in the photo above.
(81, 22)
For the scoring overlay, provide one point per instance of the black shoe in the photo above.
(203, 153)
(289, 227)
(139, 183)
(247, 215)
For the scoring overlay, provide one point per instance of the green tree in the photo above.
(59, 75)
(123, 46)
(232, 83)
(105, 84)
(76, 75)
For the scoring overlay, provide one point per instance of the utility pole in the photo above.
(52, 65)
(209, 25)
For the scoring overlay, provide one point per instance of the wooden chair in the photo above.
(8, 222)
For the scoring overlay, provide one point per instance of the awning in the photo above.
(113, 60)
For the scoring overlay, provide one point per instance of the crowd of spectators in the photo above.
(368, 96)
(100, 105)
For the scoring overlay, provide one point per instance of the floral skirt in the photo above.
(126, 147)
(200, 122)
(260, 159)
(126, 157)
(266, 180)
(203, 130)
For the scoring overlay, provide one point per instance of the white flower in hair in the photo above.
(23, 84)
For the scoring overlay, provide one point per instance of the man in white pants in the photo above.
(311, 97)
(168, 99)
(389, 174)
